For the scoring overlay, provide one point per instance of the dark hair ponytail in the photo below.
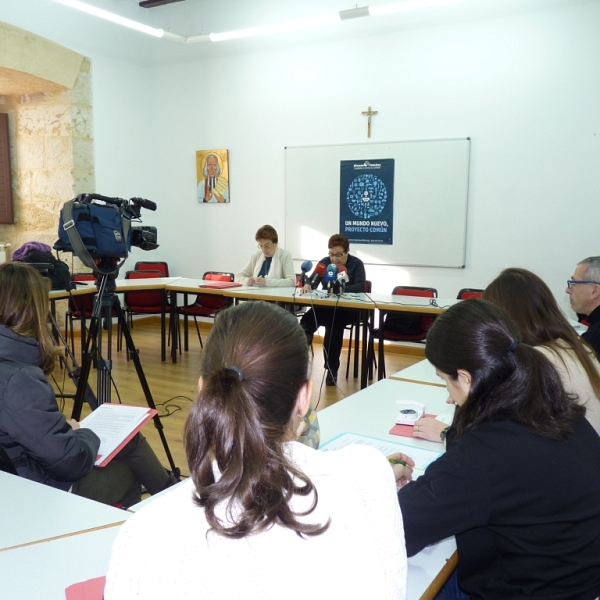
(254, 365)
(509, 379)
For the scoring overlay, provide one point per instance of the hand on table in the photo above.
(260, 281)
(251, 281)
(73, 423)
(306, 288)
(430, 429)
(402, 473)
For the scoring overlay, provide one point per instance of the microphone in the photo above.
(342, 277)
(330, 275)
(304, 267)
(144, 203)
(317, 274)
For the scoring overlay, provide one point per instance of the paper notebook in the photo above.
(115, 425)
(219, 285)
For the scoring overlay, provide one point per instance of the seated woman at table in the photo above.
(530, 303)
(271, 266)
(519, 483)
(260, 508)
(334, 319)
(42, 445)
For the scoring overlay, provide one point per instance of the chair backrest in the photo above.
(410, 290)
(368, 286)
(81, 306)
(210, 300)
(467, 293)
(163, 267)
(146, 299)
(218, 276)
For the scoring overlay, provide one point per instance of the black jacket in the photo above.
(592, 335)
(33, 432)
(524, 510)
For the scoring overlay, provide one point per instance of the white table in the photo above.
(33, 512)
(372, 412)
(43, 571)
(421, 372)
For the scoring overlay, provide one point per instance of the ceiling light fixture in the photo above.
(284, 27)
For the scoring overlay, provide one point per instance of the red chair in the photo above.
(405, 327)
(163, 267)
(467, 293)
(148, 302)
(205, 305)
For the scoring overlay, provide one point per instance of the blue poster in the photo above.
(367, 200)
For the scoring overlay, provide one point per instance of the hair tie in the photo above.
(513, 345)
(236, 370)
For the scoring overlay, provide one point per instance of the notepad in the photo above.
(219, 285)
(115, 425)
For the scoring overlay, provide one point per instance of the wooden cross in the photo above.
(369, 113)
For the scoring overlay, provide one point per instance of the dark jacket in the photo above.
(524, 510)
(592, 335)
(34, 433)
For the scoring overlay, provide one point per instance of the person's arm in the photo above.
(247, 272)
(286, 271)
(30, 416)
(359, 279)
(451, 497)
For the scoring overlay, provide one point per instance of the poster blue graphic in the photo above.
(367, 200)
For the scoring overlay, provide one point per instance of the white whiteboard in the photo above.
(431, 182)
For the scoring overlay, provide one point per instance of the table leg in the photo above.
(380, 352)
(173, 325)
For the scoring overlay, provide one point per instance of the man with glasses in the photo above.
(271, 265)
(584, 291)
(335, 319)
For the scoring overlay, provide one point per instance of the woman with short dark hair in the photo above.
(271, 266)
(519, 483)
(260, 508)
(334, 319)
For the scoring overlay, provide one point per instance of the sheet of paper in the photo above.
(423, 458)
(113, 423)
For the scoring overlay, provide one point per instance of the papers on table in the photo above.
(115, 425)
(423, 458)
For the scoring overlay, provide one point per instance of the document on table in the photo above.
(422, 457)
(115, 425)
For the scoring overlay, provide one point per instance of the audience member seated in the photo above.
(263, 516)
(531, 305)
(271, 266)
(584, 292)
(519, 482)
(38, 439)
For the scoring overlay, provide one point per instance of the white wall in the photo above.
(525, 87)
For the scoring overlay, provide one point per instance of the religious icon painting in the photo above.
(212, 176)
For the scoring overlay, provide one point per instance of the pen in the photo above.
(395, 461)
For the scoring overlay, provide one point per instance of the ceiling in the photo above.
(90, 35)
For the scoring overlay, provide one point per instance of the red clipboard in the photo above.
(152, 412)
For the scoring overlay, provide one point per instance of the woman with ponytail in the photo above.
(260, 509)
(519, 483)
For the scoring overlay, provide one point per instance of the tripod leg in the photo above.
(135, 357)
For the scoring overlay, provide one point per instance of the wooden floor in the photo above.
(173, 387)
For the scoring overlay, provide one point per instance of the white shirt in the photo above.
(164, 550)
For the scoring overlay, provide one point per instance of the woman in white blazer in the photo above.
(271, 266)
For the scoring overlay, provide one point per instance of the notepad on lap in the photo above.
(115, 425)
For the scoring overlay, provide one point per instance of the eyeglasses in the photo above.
(266, 246)
(338, 255)
(572, 282)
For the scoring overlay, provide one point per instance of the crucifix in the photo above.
(369, 113)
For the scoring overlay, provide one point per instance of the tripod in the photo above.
(106, 300)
